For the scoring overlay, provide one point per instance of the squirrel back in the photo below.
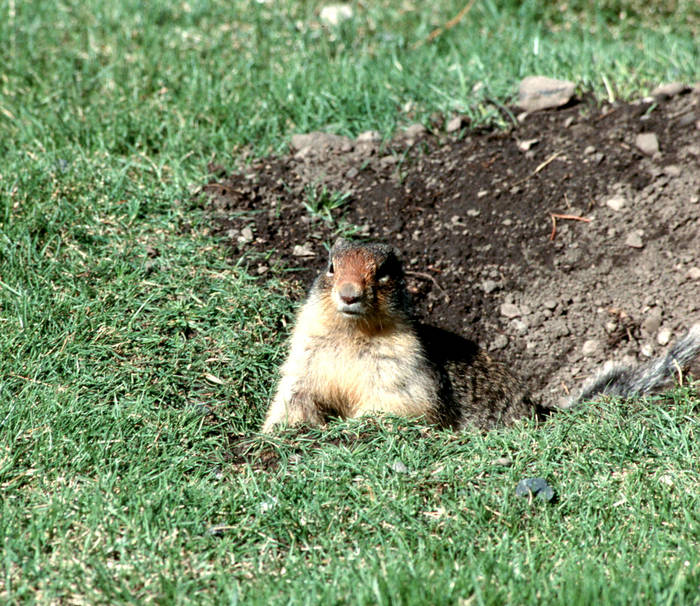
(356, 349)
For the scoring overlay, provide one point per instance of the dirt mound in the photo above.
(557, 245)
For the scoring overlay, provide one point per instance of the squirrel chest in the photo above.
(353, 374)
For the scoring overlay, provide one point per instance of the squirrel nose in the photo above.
(349, 292)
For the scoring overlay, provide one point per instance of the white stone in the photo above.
(509, 310)
(669, 90)
(590, 347)
(334, 14)
(455, 124)
(304, 250)
(369, 136)
(616, 203)
(647, 143)
(634, 240)
(540, 92)
(664, 336)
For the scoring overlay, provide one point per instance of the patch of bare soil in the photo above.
(475, 217)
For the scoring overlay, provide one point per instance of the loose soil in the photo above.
(474, 216)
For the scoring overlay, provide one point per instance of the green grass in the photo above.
(133, 351)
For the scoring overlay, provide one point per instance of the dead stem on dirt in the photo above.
(556, 216)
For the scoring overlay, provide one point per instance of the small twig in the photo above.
(449, 25)
(539, 168)
(546, 162)
(556, 216)
(420, 274)
(606, 114)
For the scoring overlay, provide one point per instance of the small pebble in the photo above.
(664, 337)
(615, 203)
(668, 90)
(489, 286)
(455, 124)
(666, 479)
(647, 143)
(266, 506)
(399, 467)
(246, 235)
(503, 462)
(499, 342)
(304, 250)
(634, 240)
(520, 326)
(590, 347)
(335, 14)
(369, 136)
(652, 322)
(672, 170)
(535, 487)
(509, 310)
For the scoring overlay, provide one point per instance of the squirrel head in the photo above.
(364, 283)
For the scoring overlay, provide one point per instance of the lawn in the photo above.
(137, 357)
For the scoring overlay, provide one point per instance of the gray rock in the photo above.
(634, 240)
(647, 143)
(559, 328)
(303, 250)
(369, 136)
(489, 286)
(652, 322)
(335, 14)
(663, 337)
(246, 236)
(520, 326)
(318, 142)
(672, 170)
(694, 273)
(414, 131)
(503, 462)
(540, 92)
(590, 347)
(669, 90)
(535, 487)
(615, 203)
(455, 124)
(509, 310)
(525, 145)
(499, 342)
(398, 466)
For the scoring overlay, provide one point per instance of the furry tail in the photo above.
(627, 381)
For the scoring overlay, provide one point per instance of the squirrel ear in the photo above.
(339, 244)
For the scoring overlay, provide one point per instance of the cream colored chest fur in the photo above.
(354, 374)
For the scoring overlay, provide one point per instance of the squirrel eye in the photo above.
(383, 273)
(330, 268)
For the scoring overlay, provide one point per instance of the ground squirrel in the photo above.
(357, 350)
